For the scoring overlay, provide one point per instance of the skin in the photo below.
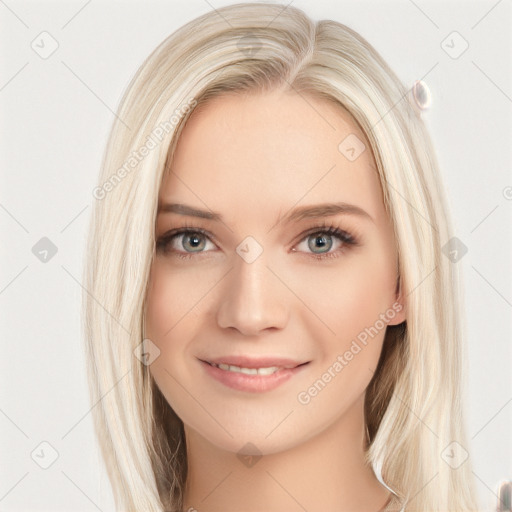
(253, 158)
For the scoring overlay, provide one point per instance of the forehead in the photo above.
(272, 149)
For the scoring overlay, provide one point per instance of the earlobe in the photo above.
(397, 312)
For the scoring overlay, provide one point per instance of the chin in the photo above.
(248, 442)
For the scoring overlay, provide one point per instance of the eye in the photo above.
(184, 242)
(322, 239)
(188, 242)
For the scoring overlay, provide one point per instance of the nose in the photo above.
(253, 299)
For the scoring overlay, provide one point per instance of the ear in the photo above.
(397, 312)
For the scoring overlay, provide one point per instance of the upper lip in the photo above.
(255, 362)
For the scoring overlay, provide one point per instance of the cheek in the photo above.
(350, 300)
(166, 319)
(348, 297)
(169, 318)
(176, 303)
(346, 360)
(162, 301)
(174, 300)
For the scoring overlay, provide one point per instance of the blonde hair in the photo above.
(413, 407)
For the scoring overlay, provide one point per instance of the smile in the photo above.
(255, 379)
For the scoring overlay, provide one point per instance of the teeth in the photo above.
(247, 371)
(268, 371)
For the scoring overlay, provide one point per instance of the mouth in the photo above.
(254, 375)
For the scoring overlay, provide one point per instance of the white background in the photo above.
(55, 117)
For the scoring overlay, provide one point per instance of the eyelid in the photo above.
(325, 227)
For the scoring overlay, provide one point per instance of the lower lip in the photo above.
(252, 383)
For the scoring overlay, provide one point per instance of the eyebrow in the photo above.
(297, 214)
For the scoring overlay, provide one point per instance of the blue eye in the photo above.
(325, 238)
(325, 242)
(192, 241)
(196, 241)
(187, 242)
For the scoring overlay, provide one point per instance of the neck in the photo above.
(325, 473)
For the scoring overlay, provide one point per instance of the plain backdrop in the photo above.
(55, 116)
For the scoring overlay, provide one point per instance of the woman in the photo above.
(271, 321)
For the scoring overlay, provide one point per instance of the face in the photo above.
(253, 270)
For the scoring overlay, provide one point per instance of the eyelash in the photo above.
(347, 239)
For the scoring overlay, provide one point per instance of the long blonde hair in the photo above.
(413, 406)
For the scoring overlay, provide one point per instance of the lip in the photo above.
(253, 383)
